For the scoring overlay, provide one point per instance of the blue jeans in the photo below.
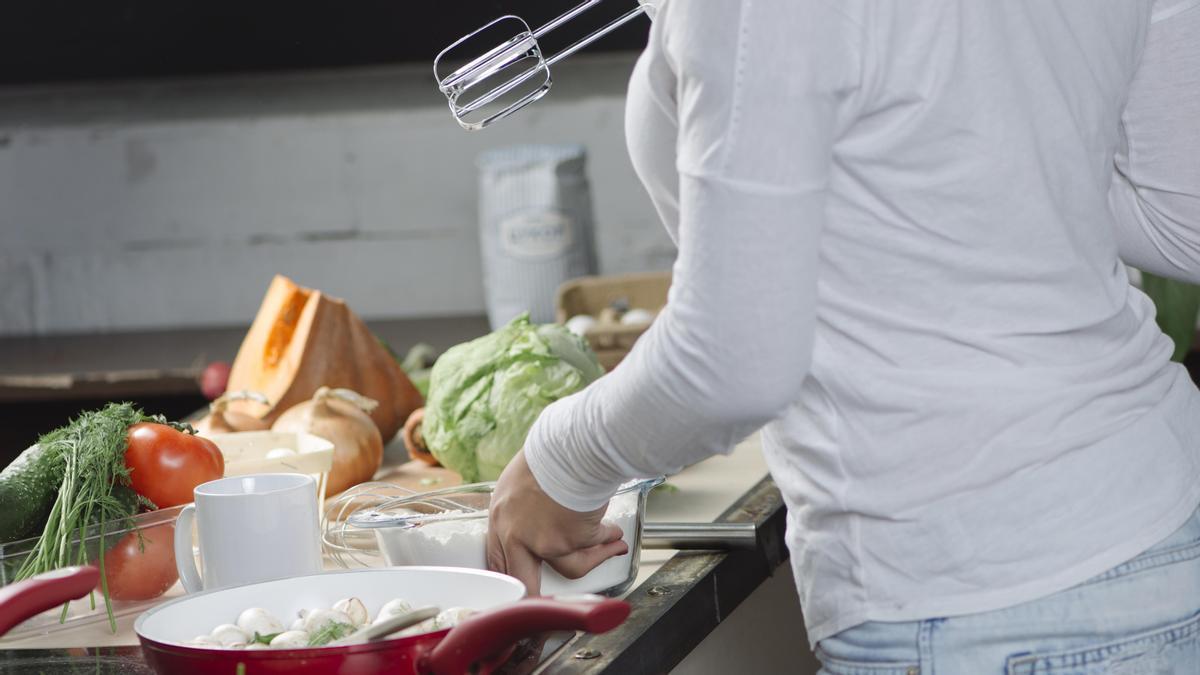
(1139, 618)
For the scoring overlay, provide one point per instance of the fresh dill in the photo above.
(334, 630)
(90, 451)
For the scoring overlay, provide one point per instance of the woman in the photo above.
(900, 227)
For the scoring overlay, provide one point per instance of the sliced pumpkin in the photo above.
(301, 340)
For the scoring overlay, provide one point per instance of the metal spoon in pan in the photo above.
(383, 629)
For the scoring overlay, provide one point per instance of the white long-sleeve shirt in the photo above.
(900, 228)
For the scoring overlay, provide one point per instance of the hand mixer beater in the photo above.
(514, 73)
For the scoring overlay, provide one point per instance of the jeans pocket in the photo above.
(836, 666)
(1166, 651)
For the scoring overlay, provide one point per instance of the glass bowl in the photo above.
(448, 528)
(140, 562)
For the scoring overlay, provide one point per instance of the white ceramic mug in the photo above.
(251, 528)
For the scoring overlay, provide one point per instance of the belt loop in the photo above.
(925, 647)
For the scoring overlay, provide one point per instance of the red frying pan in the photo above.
(25, 599)
(477, 645)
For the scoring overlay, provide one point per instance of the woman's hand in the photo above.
(527, 527)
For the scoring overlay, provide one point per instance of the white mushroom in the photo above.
(426, 626)
(236, 645)
(256, 645)
(450, 618)
(229, 635)
(203, 641)
(259, 620)
(290, 640)
(393, 608)
(302, 614)
(315, 620)
(353, 608)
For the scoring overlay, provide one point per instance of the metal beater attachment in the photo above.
(515, 72)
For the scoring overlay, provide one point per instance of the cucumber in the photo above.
(28, 488)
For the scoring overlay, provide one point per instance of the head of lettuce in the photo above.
(484, 395)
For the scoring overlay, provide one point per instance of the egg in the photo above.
(637, 317)
(580, 324)
(259, 620)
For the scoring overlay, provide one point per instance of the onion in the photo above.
(221, 420)
(414, 440)
(213, 379)
(340, 417)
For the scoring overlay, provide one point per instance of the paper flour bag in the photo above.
(535, 227)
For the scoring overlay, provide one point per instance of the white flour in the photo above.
(463, 543)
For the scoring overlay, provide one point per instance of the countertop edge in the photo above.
(686, 599)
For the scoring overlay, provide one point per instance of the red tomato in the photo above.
(142, 570)
(166, 465)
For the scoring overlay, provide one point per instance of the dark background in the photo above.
(57, 40)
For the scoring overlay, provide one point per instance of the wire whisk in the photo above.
(349, 546)
(379, 503)
(514, 73)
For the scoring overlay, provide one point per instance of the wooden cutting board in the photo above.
(418, 476)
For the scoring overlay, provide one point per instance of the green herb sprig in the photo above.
(264, 639)
(334, 630)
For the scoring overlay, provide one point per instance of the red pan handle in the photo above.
(490, 632)
(35, 595)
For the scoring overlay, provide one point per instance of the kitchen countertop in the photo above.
(46, 380)
(678, 598)
(156, 363)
